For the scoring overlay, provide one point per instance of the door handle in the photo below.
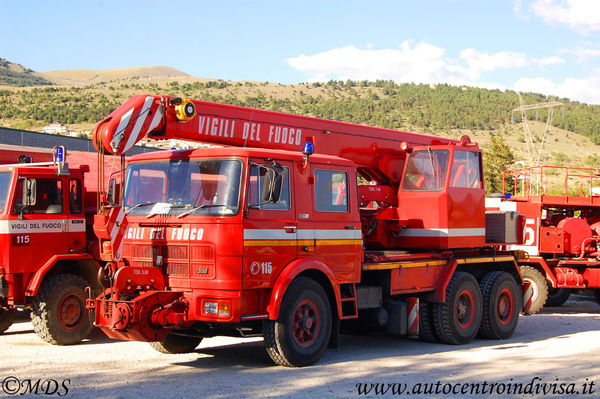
(290, 229)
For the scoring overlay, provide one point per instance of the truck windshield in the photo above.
(4, 186)
(183, 187)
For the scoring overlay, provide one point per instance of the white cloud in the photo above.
(482, 62)
(582, 55)
(411, 62)
(586, 90)
(420, 63)
(549, 61)
(426, 63)
(580, 15)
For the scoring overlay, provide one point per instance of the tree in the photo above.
(497, 158)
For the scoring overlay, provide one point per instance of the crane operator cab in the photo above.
(447, 179)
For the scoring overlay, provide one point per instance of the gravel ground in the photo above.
(559, 347)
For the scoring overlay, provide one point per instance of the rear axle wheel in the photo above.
(457, 320)
(501, 305)
(426, 327)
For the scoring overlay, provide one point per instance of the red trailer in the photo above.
(49, 252)
(562, 210)
(272, 234)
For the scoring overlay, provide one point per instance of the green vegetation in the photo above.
(433, 110)
(497, 158)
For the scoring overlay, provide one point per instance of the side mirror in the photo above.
(112, 194)
(271, 184)
(29, 192)
(276, 184)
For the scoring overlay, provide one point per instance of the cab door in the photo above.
(270, 229)
(76, 228)
(38, 225)
(329, 226)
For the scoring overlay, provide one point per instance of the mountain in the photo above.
(82, 77)
(80, 98)
(17, 75)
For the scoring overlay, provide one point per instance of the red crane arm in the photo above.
(165, 117)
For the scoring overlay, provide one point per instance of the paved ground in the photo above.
(559, 348)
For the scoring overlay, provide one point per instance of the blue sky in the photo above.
(546, 46)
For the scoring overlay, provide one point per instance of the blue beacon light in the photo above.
(59, 155)
(308, 148)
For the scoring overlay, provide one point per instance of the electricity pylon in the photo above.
(537, 156)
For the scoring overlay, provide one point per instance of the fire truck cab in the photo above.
(45, 264)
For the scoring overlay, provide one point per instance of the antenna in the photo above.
(537, 156)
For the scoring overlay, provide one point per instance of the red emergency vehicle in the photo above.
(49, 250)
(562, 210)
(271, 234)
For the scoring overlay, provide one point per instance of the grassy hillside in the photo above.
(84, 97)
(83, 77)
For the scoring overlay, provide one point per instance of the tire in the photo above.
(300, 335)
(58, 313)
(426, 327)
(539, 287)
(7, 317)
(501, 305)
(457, 320)
(173, 344)
(557, 296)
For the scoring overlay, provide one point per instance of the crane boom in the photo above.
(166, 117)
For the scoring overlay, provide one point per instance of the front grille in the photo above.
(203, 253)
(177, 260)
(175, 251)
(142, 251)
(178, 269)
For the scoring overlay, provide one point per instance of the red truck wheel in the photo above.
(539, 287)
(173, 344)
(426, 327)
(7, 317)
(58, 313)
(301, 334)
(501, 305)
(457, 320)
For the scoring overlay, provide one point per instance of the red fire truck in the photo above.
(49, 250)
(272, 234)
(562, 210)
(11, 154)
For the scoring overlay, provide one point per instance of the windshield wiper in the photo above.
(139, 205)
(200, 207)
